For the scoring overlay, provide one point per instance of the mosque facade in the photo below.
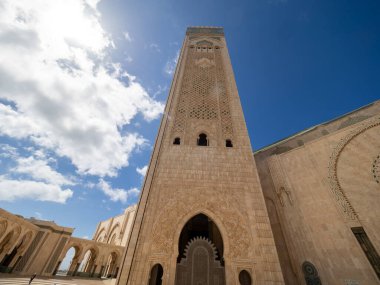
(302, 211)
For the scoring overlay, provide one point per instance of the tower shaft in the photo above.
(201, 218)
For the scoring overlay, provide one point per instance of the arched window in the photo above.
(245, 278)
(177, 141)
(110, 270)
(202, 140)
(228, 143)
(113, 239)
(156, 273)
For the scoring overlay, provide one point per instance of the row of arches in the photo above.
(90, 265)
(111, 238)
(13, 243)
(202, 140)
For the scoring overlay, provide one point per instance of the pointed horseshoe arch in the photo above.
(200, 253)
(215, 220)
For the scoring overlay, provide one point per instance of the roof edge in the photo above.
(286, 139)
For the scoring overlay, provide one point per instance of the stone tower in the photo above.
(201, 218)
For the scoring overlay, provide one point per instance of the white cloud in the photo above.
(116, 194)
(142, 171)
(127, 36)
(38, 215)
(128, 59)
(32, 177)
(39, 169)
(8, 151)
(171, 64)
(160, 89)
(65, 95)
(155, 47)
(14, 189)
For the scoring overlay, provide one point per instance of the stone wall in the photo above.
(319, 190)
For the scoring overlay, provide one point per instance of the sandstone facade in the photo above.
(322, 192)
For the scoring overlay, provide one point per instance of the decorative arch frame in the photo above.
(93, 248)
(199, 39)
(113, 231)
(213, 217)
(77, 247)
(339, 194)
(202, 128)
(102, 230)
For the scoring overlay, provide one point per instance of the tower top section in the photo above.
(205, 30)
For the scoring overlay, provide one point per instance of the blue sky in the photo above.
(83, 85)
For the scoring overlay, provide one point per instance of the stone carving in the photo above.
(199, 266)
(203, 94)
(184, 202)
(338, 192)
(376, 169)
(204, 62)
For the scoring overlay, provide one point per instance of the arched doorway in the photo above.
(4, 243)
(110, 271)
(155, 277)
(245, 278)
(11, 259)
(69, 264)
(200, 253)
(9, 242)
(88, 267)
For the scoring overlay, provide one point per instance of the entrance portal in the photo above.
(200, 258)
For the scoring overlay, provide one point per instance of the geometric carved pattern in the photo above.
(202, 102)
(335, 186)
(203, 93)
(183, 202)
(376, 169)
(225, 112)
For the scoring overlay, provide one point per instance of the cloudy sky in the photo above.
(83, 85)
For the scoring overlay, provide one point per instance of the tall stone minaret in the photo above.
(201, 218)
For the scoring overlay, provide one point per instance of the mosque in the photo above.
(301, 211)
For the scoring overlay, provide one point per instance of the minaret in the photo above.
(201, 218)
